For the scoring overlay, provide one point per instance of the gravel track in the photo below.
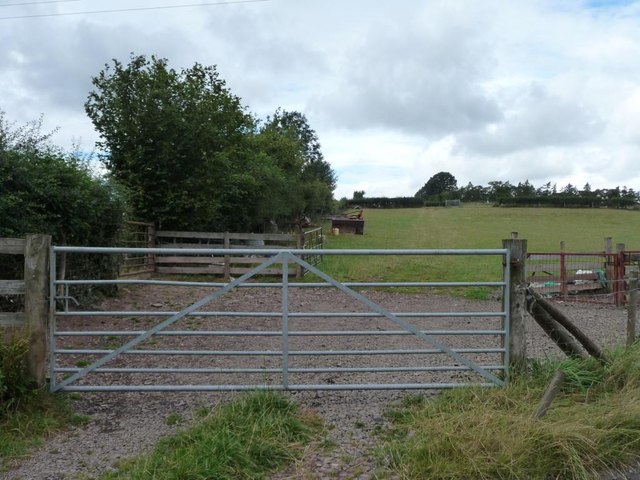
(125, 424)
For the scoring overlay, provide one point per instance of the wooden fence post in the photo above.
(36, 307)
(563, 272)
(151, 243)
(631, 308)
(609, 264)
(227, 258)
(618, 286)
(517, 292)
(300, 245)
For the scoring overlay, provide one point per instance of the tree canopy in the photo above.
(193, 157)
(438, 184)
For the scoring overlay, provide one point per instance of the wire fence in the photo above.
(582, 277)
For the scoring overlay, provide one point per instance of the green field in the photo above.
(476, 227)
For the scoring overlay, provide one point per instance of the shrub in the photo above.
(16, 385)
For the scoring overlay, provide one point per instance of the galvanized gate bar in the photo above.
(271, 333)
(132, 343)
(407, 326)
(285, 322)
(293, 251)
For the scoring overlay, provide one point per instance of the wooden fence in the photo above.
(35, 288)
(144, 235)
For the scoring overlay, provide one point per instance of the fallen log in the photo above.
(589, 345)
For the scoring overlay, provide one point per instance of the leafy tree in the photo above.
(358, 194)
(437, 185)
(472, 193)
(194, 158)
(173, 138)
(301, 156)
(499, 190)
(524, 190)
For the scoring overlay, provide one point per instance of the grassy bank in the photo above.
(592, 426)
(247, 438)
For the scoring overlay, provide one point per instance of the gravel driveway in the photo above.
(125, 424)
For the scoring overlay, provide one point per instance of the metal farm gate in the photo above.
(315, 333)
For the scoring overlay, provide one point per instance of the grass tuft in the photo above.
(39, 416)
(593, 425)
(246, 438)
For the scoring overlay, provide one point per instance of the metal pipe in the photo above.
(166, 313)
(279, 370)
(76, 351)
(249, 333)
(275, 251)
(228, 388)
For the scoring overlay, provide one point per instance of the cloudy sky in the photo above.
(397, 90)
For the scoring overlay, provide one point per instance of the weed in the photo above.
(174, 419)
(38, 416)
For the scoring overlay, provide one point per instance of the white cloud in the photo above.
(397, 91)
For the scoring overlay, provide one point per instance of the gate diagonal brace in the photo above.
(169, 321)
(407, 326)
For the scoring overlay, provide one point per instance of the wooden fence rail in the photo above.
(35, 288)
(141, 234)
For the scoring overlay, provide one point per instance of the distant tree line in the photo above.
(443, 186)
(193, 158)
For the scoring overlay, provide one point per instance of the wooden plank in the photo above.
(590, 277)
(217, 271)
(187, 260)
(274, 237)
(284, 237)
(11, 287)
(205, 235)
(161, 259)
(11, 319)
(268, 271)
(191, 270)
(137, 272)
(191, 245)
(12, 246)
(543, 278)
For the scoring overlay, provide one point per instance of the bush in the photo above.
(16, 385)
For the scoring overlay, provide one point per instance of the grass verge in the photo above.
(593, 425)
(247, 438)
(26, 427)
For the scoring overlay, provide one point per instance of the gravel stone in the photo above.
(123, 425)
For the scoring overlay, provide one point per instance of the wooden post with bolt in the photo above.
(517, 309)
(36, 306)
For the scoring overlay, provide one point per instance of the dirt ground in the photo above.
(124, 424)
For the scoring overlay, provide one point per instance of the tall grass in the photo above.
(247, 438)
(490, 433)
(15, 383)
(27, 414)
